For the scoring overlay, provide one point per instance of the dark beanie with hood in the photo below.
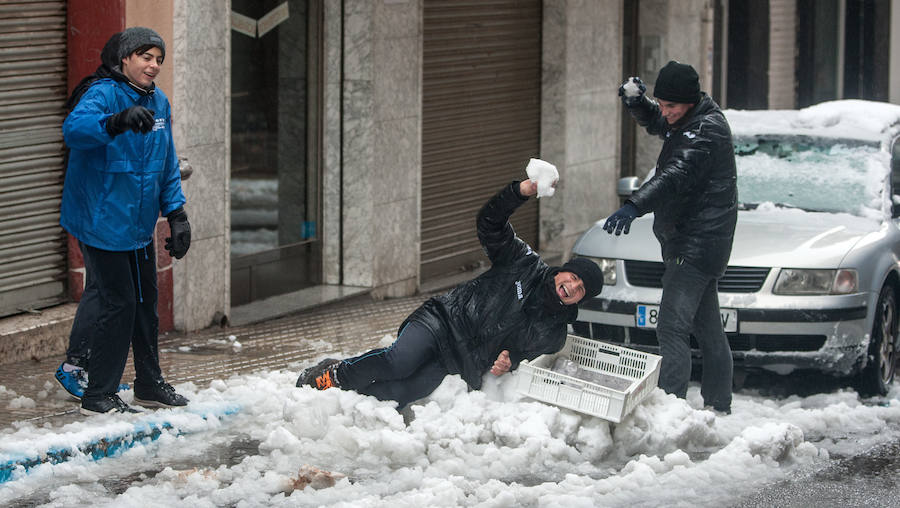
(677, 82)
(589, 273)
(137, 37)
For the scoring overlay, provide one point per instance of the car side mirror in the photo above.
(627, 185)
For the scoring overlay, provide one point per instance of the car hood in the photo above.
(784, 238)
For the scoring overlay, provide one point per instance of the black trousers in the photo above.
(79, 350)
(119, 311)
(690, 306)
(408, 370)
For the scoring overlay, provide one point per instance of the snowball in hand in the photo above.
(631, 88)
(545, 174)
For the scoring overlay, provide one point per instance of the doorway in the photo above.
(275, 191)
(748, 55)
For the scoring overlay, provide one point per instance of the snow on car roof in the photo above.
(861, 120)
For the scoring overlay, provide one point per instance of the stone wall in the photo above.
(381, 144)
(200, 53)
(582, 58)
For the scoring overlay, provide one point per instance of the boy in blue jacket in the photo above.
(122, 173)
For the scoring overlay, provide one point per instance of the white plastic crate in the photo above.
(636, 369)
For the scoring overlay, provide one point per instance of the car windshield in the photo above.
(808, 174)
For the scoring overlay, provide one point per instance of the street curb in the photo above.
(141, 433)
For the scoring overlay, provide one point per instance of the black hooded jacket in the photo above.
(694, 190)
(108, 68)
(503, 308)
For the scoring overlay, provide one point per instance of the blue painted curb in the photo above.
(141, 433)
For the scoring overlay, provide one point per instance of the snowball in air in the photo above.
(545, 174)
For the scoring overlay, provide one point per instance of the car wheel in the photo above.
(878, 374)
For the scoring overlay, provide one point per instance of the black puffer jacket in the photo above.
(501, 308)
(694, 191)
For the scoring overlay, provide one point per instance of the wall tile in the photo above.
(398, 18)
(397, 167)
(358, 64)
(584, 142)
(580, 115)
(205, 189)
(397, 241)
(204, 20)
(199, 118)
(201, 290)
(201, 88)
(597, 194)
(331, 187)
(398, 88)
(358, 254)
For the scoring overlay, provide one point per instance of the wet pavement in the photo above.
(348, 326)
(871, 479)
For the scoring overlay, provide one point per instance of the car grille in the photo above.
(737, 279)
(738, 341)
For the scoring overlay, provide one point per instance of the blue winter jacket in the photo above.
(116, 187)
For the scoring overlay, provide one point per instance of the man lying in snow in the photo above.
(517, 310)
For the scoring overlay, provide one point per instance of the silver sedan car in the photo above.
(814, 276)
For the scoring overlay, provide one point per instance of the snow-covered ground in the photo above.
(287, 446)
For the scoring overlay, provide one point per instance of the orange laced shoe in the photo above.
(327, 379)
(311, 375)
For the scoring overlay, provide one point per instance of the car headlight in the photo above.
(795, 281)
(608, 267)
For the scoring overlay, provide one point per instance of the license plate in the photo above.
(647, 316)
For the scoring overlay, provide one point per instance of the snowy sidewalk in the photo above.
(29, 392)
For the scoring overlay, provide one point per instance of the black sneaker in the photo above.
(108, 403)
(309, 376)
(161, 395)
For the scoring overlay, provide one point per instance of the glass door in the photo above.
(275, 180)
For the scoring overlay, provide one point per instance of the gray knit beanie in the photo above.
(136, 37)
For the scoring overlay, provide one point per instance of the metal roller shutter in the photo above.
(481, 121)
(32, 96)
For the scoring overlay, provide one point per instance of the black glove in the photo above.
(180, 241)
(634, 99)
(620, 221)
(136, 118)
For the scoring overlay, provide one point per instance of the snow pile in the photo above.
(866, 121)
(293, 446)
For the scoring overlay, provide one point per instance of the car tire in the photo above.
(877, 375)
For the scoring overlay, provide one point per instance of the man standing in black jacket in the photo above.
(693, 194)
(517, 310)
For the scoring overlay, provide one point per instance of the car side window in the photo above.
(895, 177)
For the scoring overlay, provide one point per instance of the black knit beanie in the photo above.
(589, 273)
(677, 82)
(137, 37)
